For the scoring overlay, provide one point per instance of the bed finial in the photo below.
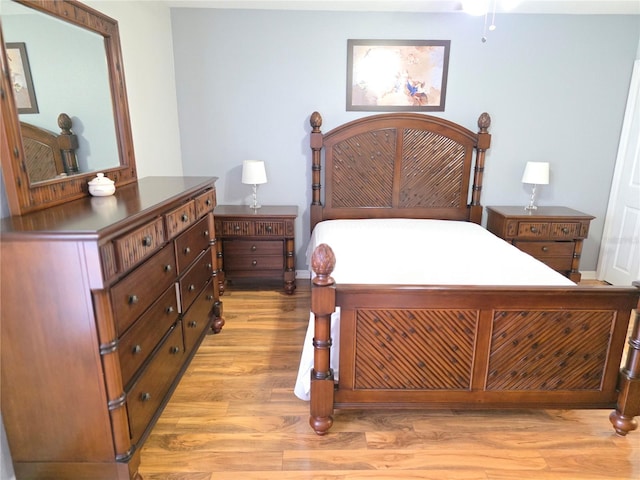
(484, 122)
(315, 121)
(323, 261)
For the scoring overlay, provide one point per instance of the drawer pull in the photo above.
(193, 324)
(209, 297)
(133, 299)
(173, 350)
(208, 202)
(254, 263)
(565, 230)
(184, 217)
(147, 241)
(545, 249)
(269, 228)
(136, 349)
(167, 268)
(236, 228)
(192, 287)
(208, 266)
(206, 233)
(534, 230)
(253, 248)
(169, 310)
(187, 250)
(145, 397)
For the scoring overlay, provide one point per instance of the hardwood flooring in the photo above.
(234, 416)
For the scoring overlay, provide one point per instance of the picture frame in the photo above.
(397, 75)
(21, 80)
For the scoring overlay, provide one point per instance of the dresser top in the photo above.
(98, 216)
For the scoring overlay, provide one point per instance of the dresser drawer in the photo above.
(180, 218)
(191, 243)
(138, 342)
(254, 262)
(194, 279)
(198, 318)
(137, 291)
(547, 249)
(533, 230)
(248, 247)
(565, 230)
(146, 395)
(139, 244)
(205, 203)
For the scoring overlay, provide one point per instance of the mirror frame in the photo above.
(24, 196)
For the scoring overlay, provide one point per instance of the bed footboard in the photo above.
(474, 347)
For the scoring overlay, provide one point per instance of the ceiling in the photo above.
(617, 7)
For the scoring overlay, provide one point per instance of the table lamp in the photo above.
(253, 173)
(535, 173)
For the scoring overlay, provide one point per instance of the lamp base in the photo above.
(254, 203)
(532, 205)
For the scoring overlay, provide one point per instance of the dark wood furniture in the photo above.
(256, 243)
(433, 346)
(104, 303)
(553, 235)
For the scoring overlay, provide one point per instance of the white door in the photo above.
(619, 260)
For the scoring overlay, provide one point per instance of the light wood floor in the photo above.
(234, 416)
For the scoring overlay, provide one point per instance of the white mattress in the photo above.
(419, 252)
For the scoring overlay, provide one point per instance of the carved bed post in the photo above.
(68, 142)
(323, 304)
(484, 142)
(316, 168)
(628, 405)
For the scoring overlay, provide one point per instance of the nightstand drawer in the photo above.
(254, 262)
(259, 228)
(256, 248)
(533, 230)
(547, 249)
(555, 230)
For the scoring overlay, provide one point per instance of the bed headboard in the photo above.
(398, 165)
(47, 155)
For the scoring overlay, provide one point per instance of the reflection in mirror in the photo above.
(69, 74)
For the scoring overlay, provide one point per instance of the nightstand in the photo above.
(256, 244)
(553, 235)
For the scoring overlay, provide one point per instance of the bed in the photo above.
(49, 155)
(389, 332)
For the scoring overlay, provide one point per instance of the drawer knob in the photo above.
(534, 230)
(147, 241)
(206, 233)
(192, 287)
(145, 397)
(253, 248)
(193, 324)
(174, 350)
(133, 299)
(565, 230)
(209, 297)
(208, 267)
(167, 268)
(236, 228)
(208, 202)
(136, 349)
(545, 249)
(185, 217)
(187, 250)
(269, 228)
(169, 310)
(254, 263)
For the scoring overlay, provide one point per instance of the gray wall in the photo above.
(555, 86)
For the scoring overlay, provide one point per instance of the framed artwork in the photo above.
(397, 75)
(21, 79)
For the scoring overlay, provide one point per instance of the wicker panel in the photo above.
(549, 350)
(363, 170)
(39, 160)
(414, 349)
(432, 170)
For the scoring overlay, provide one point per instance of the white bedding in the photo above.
(421, 252)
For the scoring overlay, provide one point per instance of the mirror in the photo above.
(76, 65)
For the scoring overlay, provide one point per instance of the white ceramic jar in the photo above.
(101, 186)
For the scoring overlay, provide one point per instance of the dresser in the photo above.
(105, 300)
(256, 244)
(553, 235)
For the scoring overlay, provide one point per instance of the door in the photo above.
(619, 260)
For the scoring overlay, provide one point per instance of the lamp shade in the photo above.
(536, 173)
(253, 172)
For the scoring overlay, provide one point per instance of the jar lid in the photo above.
(100, 179)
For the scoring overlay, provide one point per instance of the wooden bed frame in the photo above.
(431, 346)
(48, 155)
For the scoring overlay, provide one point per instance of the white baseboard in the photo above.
(304, 274)
(589, 275)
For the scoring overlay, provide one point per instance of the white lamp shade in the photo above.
(536, 173)
(253, 172)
